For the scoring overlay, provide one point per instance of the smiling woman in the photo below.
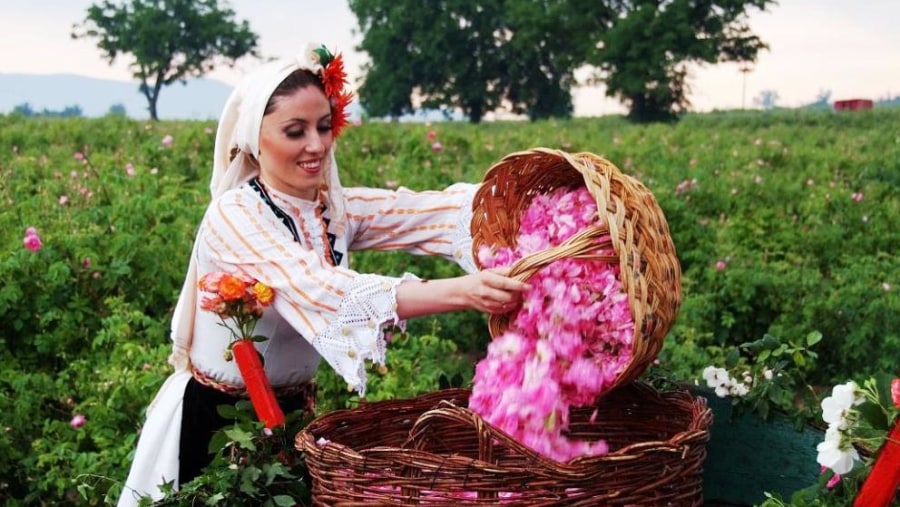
(280, 216)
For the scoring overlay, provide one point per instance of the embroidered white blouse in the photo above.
(321, 310)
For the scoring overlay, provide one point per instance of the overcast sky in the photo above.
(850, 47)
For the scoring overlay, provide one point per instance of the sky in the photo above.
(848, 47)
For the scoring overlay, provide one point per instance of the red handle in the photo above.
(261, 394)
(881, 484)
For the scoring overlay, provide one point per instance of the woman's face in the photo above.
(294, 140)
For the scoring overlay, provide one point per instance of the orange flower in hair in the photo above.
(340, 117)
(334, 78)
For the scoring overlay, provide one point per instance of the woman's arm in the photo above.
(342, 313)
(421, 223)
(489, 291)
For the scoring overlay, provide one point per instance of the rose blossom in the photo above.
(77, 421)
(32, 241)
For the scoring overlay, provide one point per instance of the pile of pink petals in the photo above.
(568, 342)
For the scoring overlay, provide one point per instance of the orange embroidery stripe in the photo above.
(426, 227)
(402, 211)
(413, 246)
(393, 196)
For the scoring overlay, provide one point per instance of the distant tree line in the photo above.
(25, 109)
(74, 111)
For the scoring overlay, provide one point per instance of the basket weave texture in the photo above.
(631, 223)
(430, 450)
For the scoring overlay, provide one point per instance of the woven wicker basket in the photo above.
(630, 217)
(430, 450)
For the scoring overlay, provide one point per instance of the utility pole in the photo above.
(744, 70)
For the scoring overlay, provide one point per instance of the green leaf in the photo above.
(242, 438)
(732, 357)
(227, 411)
(324, 55)
(813, 338)
(215, 499)
(767, 342)
(799, 360)
(883, 385)
(249, 477)
(284, 501)
(873, 415)
(218, 442)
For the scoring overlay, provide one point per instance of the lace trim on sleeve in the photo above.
(356, 335)
(462, 236)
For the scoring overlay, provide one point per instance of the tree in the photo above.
(476, 56)
(823, 100)
(117, 109)
(767, 99)
(548, 40)
(23, 109)
(169, 40)
(643, 55)
(441, 52)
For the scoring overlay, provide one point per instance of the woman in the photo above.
(280, 215)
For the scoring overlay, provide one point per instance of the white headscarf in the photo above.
(239, 128)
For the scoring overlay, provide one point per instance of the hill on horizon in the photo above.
(198, 99)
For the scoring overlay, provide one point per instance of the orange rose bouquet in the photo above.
(239, 302)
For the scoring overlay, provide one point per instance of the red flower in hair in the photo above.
(334, 77)
(333, 80)
(340, 117)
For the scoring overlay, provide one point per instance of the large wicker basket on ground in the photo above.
(631, 222)
(430, 450)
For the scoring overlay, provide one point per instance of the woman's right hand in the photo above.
(488, 291)
(493, 291)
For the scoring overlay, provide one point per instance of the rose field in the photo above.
(786, 224)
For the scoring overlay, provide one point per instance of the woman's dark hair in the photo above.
(300, 78)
